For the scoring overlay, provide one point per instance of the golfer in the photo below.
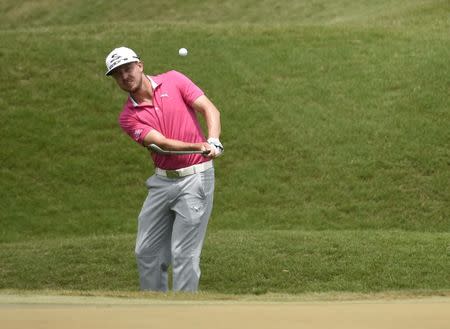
(161, 109)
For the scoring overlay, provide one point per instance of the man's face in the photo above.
(129, 76)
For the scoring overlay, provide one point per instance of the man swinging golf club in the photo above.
(160, 112)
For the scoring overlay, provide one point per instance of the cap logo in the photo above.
(118, 60)
(120, 56)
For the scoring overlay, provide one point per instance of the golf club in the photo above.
(159, 150)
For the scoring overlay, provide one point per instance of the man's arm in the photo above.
(212, 117)
(155, 137)
(211, 114)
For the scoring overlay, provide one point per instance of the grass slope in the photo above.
(335, 123)
(417, 14)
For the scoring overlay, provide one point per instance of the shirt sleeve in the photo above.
(133, 127)
(189, 90)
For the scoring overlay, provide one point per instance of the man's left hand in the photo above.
(216, 148)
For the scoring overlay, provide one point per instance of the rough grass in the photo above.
(243, 262)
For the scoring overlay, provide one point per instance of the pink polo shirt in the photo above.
(171, 114)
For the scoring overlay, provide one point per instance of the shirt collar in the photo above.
(154, 86)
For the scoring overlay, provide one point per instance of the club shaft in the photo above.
(159, 150)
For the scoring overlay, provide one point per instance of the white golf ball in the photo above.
(182, 52)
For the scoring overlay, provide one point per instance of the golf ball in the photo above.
(182, 52)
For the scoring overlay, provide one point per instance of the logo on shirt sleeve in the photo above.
(137, 133)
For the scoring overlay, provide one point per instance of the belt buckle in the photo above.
(172, 174)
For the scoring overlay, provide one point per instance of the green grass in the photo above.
(335, 123)
(243, 262)
(415, 14)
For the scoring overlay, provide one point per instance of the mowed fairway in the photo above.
(335, 119)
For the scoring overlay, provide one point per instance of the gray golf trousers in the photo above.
(171, 230)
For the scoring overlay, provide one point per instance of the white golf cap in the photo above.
(118, 57)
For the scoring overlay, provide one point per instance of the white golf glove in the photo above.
(217, 146)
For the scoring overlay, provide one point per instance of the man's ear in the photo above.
(141, 66)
